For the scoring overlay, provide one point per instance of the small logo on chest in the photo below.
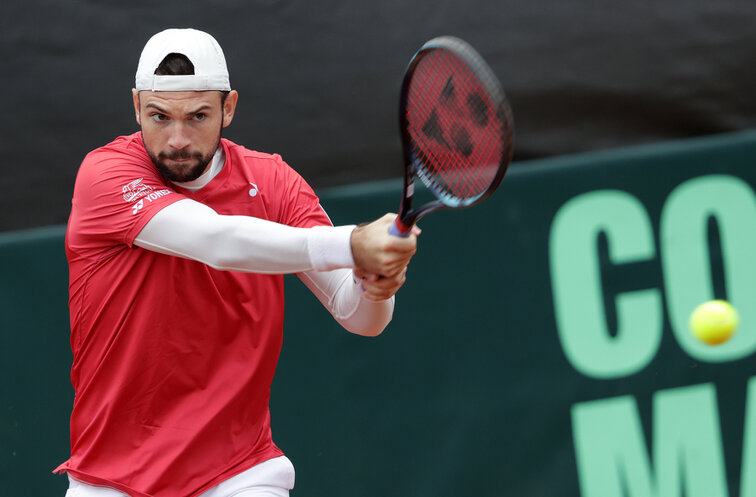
(253, 190)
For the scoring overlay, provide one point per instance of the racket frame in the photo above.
(412, 167)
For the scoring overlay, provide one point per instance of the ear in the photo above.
(135, 97)
(229, 107)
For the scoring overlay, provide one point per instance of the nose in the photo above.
(179, 137)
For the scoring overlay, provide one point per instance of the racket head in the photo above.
(456, 126)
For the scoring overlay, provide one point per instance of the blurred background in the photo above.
(319, 80)
(540, 346)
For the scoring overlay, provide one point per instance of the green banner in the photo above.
(540, 346)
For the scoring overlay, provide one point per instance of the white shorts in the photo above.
(272, 478)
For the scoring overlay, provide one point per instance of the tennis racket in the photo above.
(456, 127)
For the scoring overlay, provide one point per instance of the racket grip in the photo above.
(399, 229)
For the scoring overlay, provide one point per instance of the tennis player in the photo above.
(177, 244)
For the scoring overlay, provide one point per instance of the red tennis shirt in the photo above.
(172, 360)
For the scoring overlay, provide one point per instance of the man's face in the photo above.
(182, 129)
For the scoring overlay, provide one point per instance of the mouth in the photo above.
(180, 158)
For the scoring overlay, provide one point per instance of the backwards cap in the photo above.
(210, 71)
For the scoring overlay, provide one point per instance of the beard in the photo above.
(183, 172)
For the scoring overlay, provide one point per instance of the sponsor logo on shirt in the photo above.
(136, 193)
(135, 190)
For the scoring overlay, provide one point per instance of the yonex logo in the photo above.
(136, 193)
(451, 105)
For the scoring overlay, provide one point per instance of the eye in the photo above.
(158, 117)
(200, 116)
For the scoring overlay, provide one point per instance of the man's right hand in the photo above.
(377, 252)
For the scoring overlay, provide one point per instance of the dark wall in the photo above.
(319, 80)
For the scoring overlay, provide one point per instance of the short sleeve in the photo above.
(117, 191)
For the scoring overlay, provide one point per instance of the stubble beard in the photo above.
(188, 171)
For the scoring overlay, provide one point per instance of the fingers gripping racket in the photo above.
(456, 128)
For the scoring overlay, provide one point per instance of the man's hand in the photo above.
(378, 287)
(376, 252)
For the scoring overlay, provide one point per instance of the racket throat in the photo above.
(409, 190)
(405, 206)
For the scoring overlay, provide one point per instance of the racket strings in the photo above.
(460, 183)
(455, 126)
(440, 159)
(453, 174)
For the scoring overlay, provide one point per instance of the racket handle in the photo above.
(399, 229)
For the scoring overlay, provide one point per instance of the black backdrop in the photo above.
(318, 80)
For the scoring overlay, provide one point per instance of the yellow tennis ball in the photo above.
(714, 322)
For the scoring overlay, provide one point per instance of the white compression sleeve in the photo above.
(341, 293)
(193, 230)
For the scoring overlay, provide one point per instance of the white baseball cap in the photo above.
(210, 71)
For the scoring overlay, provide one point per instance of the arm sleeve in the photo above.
(192, 230)
(341, 293)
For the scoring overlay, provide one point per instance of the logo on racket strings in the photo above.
(447, 123)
